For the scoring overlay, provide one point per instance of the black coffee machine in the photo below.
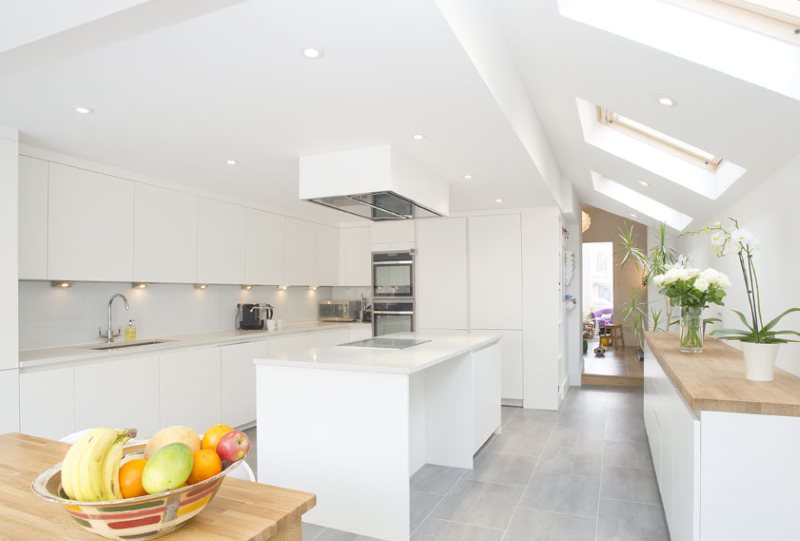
(251, 317)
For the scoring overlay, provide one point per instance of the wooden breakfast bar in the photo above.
(241, 510)
(725, 449)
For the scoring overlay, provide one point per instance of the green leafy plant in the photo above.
(756, 330)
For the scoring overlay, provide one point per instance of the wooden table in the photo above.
(241, 510)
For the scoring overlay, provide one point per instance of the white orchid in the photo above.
(744, 240)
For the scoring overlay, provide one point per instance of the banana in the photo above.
(111, 463)
(90, 470)
(69, 467)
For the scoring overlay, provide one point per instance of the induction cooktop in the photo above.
(386, 343)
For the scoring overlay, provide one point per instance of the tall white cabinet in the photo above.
(355, 257)
(33, 182)
(9, 268)
(441, 268)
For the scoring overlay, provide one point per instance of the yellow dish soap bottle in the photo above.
(130, 330)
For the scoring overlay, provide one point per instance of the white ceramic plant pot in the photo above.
(759, 360)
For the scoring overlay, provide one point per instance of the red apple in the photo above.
(233, 446)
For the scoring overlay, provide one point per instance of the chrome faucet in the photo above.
(110, 334)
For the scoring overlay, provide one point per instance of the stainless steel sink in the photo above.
(121, 345)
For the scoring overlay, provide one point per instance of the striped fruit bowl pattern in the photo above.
(145, 517)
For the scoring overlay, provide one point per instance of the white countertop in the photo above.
(443, 345)
(83, 352)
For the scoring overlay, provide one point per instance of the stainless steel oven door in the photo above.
(392, 317)
(392, 275)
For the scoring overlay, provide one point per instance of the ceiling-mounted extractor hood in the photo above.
(374, 183)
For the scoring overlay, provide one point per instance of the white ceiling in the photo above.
(175, 101)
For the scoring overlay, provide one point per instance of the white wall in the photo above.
(52, 316)
(770, 212)
(9, 354)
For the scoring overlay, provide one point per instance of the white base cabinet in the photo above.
(9, 401)
(47, 402)
(118, 393)
(189, 391)
(238, 381)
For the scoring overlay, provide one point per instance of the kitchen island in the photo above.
(353, 423)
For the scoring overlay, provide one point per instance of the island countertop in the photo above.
(442, 346)
(714, 380)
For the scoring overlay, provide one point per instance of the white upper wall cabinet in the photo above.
(388, 236)
(221, 243)
(33, 176)
(495, 272)
(326, 255)
(90, 226)
(355, 257)
(266, 260)
(441, 290)
(165, 235)
(300, 243)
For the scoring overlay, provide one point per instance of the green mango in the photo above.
(168, 468)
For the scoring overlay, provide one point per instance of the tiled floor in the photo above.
(583, 473)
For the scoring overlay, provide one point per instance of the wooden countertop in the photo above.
(241, 510)
(714, 379)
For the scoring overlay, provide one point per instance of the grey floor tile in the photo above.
(482, 504)
(422, 503)
(627, 521)
(571, 461)
(530, 424)
(625, 428)
(578, 436)
(627, 454)
(630, 484)
(502, 468)
(338, 535)
(311, 532)
(519, 443)
(584, 417)
(562, 494)
(507, 412)
(537, 525)
(434, 529)
(436, 479)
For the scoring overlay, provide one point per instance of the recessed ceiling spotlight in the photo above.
(666, 101)
(312, 52)
(231, 162)
(498, 200)
(418, 137)
(644, 183)
(467, 177)
(84, 110)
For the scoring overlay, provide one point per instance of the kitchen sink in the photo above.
(121, 345)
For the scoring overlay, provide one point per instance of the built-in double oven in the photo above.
(392, 292)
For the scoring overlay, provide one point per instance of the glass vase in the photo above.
(691, 329)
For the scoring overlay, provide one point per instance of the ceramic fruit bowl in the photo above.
(145, 517)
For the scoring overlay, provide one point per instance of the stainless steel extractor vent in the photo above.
(378, 206)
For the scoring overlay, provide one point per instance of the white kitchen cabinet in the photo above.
(33, 180)
(441, 290)
(300, 243)
(189, 392)
(221, 244)
(495, 272)
(326, 255)
(511, 362)
(355, 257)
(90, 226)
(390, 236)
(47, 402)
(288, 343)
(265, 248)
(9, 401)
(238, 381)
(362, 332)
(327, 338)
(486, 381)
(165, 235)
(120, 393)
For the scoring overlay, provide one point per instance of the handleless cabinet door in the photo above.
(266, 263)
(221, 244)
(326, 255)
(238, 377)
(189, 388)
(118, 393)
(47, 402)
(441, 292)
(355, 257)
(495, 272)
(90, 226)
(300, 242)
(165, 235)
(33, 179)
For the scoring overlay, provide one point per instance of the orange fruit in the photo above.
(213, 435)
(206, 464)
(130, 478)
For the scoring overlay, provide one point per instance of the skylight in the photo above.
(640, 203)
(692, 154)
